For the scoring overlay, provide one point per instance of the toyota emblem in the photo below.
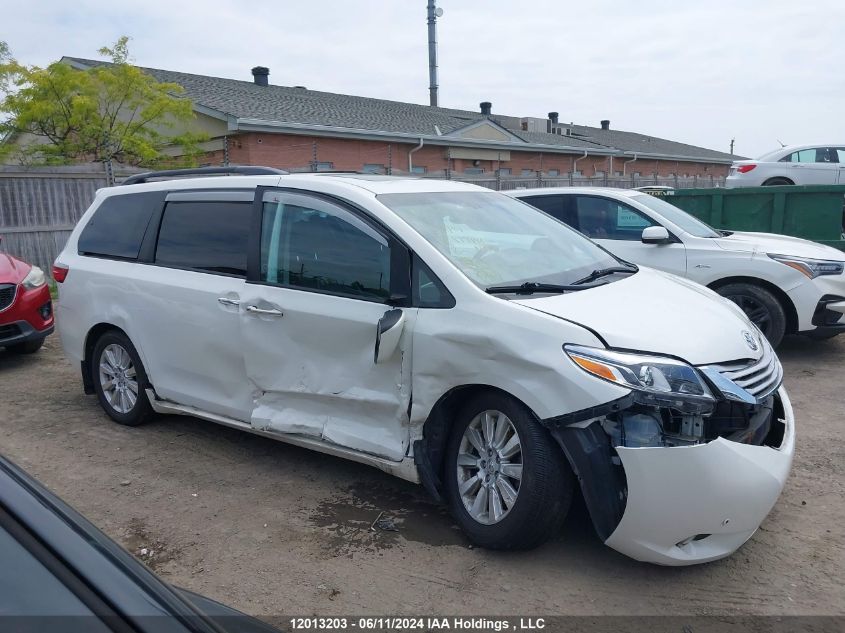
(749, 338)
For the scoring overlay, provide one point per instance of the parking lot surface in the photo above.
(272, 529)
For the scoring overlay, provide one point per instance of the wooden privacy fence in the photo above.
(40, 206)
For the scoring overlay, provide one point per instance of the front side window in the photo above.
(603, 218)
(676, 216)
(315, 245)
(496, 240)
(205, 236)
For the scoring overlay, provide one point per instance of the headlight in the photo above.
(812, 268)
(656, 380)
(34, 278)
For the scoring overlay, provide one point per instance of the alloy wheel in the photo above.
(118, 378)
(489, 467)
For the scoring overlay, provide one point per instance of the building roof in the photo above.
(247, 105)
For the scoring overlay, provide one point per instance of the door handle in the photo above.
(264, 311)
(228, 302)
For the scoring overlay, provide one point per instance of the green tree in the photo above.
(111, 112)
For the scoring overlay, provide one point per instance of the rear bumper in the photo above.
(717, 492)
(21, 332)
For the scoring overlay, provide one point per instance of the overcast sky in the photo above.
(700, 72)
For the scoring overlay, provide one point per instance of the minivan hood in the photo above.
(778, 245)
(656, 312)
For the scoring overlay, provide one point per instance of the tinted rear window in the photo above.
(118, 225)
(207, 236)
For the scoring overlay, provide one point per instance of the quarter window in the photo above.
(206, 236)
(118, 225)
(315, 245)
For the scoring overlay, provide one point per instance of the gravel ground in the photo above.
(274, 529)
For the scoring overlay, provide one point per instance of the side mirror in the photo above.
(655, 235)
(388, 333)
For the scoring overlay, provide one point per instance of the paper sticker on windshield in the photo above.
(467, 242)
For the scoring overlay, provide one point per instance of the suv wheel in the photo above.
(119, 379)
(508, 483)
(777, 181)
(761, 306)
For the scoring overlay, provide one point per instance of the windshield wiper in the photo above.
(530, 287)
(604, 272)
(724, 233)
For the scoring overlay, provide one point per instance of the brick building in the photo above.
(256, 123)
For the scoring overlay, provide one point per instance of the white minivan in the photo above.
(441, 332)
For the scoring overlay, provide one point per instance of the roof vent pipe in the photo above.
(486, 108)
(605, 124)
(260, 75)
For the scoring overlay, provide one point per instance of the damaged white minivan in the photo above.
(443, 333)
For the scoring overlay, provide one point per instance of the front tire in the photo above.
(761, 306)
(120, 380)
(508, 484)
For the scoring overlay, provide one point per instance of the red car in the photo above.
(26, 312)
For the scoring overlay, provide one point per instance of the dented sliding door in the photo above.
(310, 325)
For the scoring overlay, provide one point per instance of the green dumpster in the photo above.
(813, 212)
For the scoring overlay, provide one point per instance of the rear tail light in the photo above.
(60, 272)
(744, 169)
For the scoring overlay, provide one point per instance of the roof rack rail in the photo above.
(240, 170)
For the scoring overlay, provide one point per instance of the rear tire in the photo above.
(30, 347)
(761, 306)
(772, 182)
(119, 379)
(508, 483)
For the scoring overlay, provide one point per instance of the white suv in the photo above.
(443, 333)
(785, 285)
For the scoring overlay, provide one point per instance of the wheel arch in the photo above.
(429, 452)
(768, 182)
(91, 338)
(780, 295)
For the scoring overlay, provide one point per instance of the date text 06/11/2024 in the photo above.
(385, 623)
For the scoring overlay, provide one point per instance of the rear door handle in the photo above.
(228, 302)
(264, 311)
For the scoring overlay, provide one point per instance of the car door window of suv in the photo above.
(560, 207)
(205, 236)
(603, 218)
(322, 247)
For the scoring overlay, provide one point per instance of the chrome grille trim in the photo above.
(760, 378)
(7, 295)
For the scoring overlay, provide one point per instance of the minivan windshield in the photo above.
(498, 241)
(678, 217)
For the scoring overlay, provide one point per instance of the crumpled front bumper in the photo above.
(722, 489)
